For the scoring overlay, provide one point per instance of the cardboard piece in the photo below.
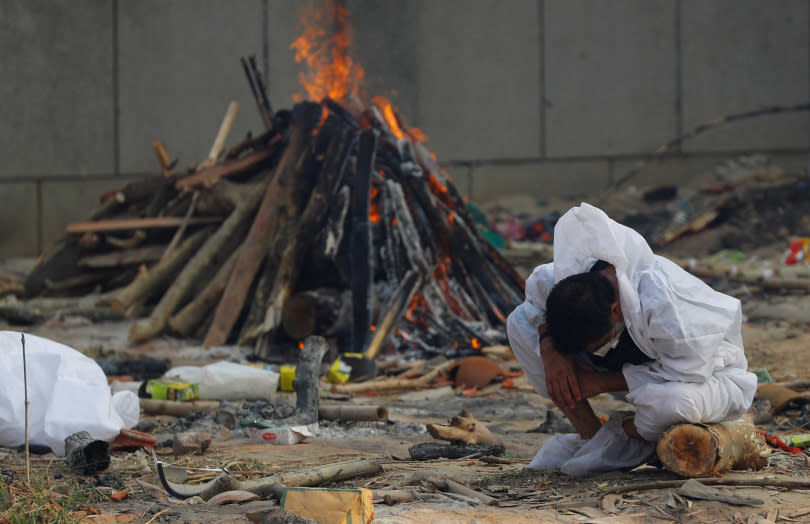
(330, 506)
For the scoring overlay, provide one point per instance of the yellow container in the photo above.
(339, 372)
(285, 382)
(168, 389)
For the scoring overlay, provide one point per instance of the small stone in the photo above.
(191, 442)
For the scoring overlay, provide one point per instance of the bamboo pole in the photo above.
(392, 384)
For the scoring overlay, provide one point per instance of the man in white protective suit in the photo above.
(610, 316)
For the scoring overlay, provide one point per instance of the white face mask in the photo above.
(618, 327)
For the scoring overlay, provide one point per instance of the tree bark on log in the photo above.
(146, 283)
(361, 253)
(194, 269)
(126, 257)
(259, 238)
(310, 221)
(297, 183)
(193, 313)
(699, 450)
(307, 382)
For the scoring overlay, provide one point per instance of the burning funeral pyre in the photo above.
(335, 221)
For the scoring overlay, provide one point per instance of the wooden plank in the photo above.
(123, 258)
(125, 224)
(259, 237)
(209, 176)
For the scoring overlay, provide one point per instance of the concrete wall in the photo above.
(544, 97)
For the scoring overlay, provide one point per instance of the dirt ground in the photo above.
(776, 338)
(778, 345)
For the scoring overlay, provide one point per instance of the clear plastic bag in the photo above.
(229, 381)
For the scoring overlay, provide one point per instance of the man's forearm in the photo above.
(614, 381)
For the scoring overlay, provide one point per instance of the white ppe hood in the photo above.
(690, 330)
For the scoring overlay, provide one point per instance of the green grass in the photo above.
(39, 503)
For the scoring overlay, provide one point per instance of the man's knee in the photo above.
(665, 405)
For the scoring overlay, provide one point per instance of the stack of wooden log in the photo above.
(336, 221)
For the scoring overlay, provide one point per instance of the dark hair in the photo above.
(578, 311)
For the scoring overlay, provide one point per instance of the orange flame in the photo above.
(388, 114)
(475, 343)
(301, 345)
(373, 328)
(332, 72)
(394, 122)
(374, 210)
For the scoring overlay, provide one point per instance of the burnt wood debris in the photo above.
(334, 221)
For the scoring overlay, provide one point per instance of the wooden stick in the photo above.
(272, 486)
(146, 282)
(262, 112)
(208, 176)
(451, 486)
(410, 283)
(182, 229)
(188, 318)
(163, 157)
(123, 258)
(159, 318)
(125, 224)
(764, 481)
(391, 384)
(261, 87)
(222, 134)
(25, 386)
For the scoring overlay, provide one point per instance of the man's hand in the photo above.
(561, 376)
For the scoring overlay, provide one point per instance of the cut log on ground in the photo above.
(307, 384)
(463, 429)
(699, 450)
